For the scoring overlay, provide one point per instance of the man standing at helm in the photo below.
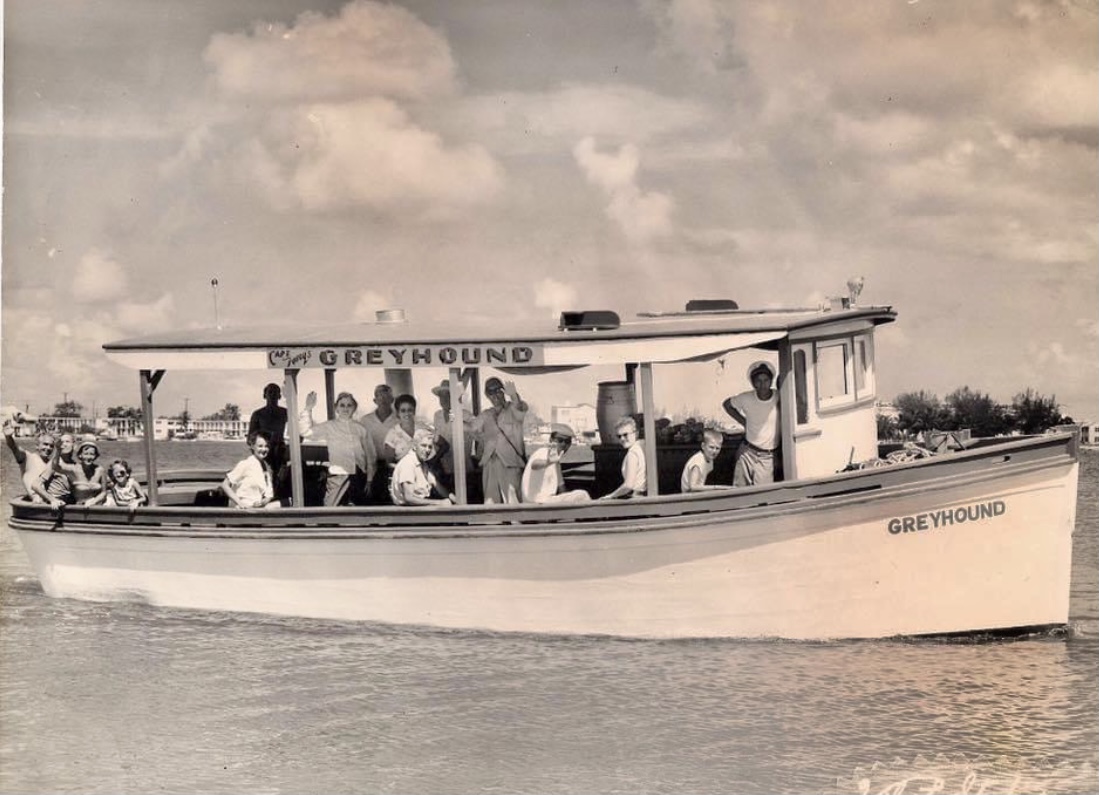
(757, 411)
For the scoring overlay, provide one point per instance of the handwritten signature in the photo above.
(980, 776)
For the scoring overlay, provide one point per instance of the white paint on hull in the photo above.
(832, 572)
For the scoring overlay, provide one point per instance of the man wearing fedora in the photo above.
(757, 411)
(443, 423)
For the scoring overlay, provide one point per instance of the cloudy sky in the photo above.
(510, 158)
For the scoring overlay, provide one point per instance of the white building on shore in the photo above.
(581, 418)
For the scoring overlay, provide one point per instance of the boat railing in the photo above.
(970, 466)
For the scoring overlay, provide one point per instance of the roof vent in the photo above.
(711, 305)
(590, 320)
(390, 316)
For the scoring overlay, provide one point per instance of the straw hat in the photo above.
(444, 386)
(87, 443)
(757, 365)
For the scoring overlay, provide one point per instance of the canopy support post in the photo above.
(149, 380)
(457, 436)
(297, 479)
(652, 471)
(787, 410)
(330, 392)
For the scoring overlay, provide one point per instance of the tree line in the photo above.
(1029, 412)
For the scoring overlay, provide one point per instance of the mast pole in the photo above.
(457, 436)
(148, 382)
(297, 480)
(648, 408)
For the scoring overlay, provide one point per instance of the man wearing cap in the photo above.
(500, 433)
(757, 411)
(542, 479)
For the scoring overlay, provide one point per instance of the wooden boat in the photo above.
(973, 540)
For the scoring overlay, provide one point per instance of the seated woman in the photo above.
(88, 477)
(413, 481)
(251, 483)
(634, 483)
(542, 478)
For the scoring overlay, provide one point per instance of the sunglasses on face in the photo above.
(625, 435)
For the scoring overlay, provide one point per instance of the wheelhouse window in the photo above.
(835, 384)
(801, 385)
(844, 370)
(864, 366)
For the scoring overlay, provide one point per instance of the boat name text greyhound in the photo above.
(947, 516)
(404, 356)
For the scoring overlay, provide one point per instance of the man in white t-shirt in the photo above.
(757, 411)
(542, 478)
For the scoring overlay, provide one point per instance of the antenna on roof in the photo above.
(214, 286)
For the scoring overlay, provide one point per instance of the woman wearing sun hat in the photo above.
(88, 477)
(757, 410)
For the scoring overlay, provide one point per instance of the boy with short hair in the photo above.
(701, 464)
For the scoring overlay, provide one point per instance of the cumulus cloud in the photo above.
(698, 31)
(98, 277)
(133, 317)
(555, 297)
(1051, 353)
(1088, 327)
(602, 110)
(327, 115)
(367, 49)
(364, 154)
(642, 216)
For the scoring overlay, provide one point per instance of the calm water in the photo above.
(130, 698)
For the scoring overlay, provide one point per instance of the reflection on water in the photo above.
(110, 698)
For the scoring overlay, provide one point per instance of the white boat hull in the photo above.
(836, 567)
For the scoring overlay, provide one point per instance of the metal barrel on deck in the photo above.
(616, 399)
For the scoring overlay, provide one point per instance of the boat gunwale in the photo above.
(525, 520)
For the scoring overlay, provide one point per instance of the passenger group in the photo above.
(385, 457)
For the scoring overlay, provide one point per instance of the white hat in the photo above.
(770, 368)
(562, 430)
(87, 443)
